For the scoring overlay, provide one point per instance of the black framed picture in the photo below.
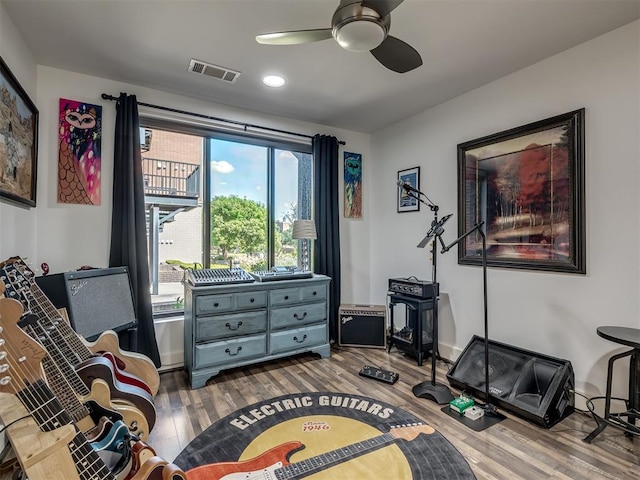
(526, 185)
(407, 202)
(18, 141)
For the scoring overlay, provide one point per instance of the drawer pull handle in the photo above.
(295, 315)
(237, 351)
(304, 337)
(286, 297)
(252, 300)
(315, 293)
(228, 325)
(216, 304)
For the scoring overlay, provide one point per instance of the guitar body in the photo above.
(115, 439)
(133, 417)
(99, 368)
(156, 468)
(270, 460)
(131, 362)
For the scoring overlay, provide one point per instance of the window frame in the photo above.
(271, 142)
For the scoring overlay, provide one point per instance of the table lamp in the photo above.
(304, 230)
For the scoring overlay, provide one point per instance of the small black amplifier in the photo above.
(414, 288)
(362, 326)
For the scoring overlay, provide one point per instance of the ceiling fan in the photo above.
(358, 26)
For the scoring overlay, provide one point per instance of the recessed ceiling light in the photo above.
(274, 81)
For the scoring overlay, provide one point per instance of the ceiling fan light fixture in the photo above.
(360, 36)
(273, 81)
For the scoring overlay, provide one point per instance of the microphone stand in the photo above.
(432, 390)
(491, 415)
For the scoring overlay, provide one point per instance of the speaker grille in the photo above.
(100, 300)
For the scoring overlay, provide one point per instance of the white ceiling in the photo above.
(463, 43)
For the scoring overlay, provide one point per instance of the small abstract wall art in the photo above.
(79, 152)
(352, 185)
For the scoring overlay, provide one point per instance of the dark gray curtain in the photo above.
(128, 226)
(326, 257)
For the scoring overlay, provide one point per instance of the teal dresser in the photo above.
(232, 325)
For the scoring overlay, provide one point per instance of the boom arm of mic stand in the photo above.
(428, 203)
(476, 227)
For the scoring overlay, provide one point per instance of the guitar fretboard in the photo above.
(313, 465)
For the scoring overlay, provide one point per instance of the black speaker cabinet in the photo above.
(362, 326)
(96, 300)
(531, 385)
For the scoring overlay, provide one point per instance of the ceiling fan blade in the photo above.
(294, 37)
(397, 55)
(383, 7)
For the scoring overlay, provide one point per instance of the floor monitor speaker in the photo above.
(532, 385)
(362, 326)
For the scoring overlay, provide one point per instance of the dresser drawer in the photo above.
(251, 300)
(288, 317)
(209, 304)
(284, 296)
(298, 338)
(313, 293)
(230, 351)
(233, 325)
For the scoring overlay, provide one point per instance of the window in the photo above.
(216, 200)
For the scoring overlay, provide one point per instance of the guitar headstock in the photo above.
(409, 432)
(16, 280)
(20, 355)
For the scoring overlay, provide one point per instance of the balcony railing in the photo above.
(167, 177)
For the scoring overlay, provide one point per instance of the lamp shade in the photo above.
(304, 230)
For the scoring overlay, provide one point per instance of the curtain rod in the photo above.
(106, 96)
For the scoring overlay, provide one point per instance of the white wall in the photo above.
(551, 313)
(75, 235)
(17, 223)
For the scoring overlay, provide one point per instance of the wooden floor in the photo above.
(512, 449)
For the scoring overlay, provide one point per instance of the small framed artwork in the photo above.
(526, 186)
(18, 141)
(406, 201)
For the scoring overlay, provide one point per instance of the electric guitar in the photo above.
(20, 358)
(17, 286)
(129, 367)
(86, 404)
(274, 463)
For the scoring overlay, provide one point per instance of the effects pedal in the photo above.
(385, 376)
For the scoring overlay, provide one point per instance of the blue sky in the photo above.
(241, 170)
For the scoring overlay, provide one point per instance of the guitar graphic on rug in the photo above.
(274, 464)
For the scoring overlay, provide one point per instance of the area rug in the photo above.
(325, 435)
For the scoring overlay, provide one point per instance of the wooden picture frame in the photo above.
(527, 185)
(407, 202)
(18, 141)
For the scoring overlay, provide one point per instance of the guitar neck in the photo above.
(48, 413)
(50, 318)
(312, 465)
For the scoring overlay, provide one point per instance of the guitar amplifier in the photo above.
(362, 326)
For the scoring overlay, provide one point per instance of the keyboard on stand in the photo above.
(217, 276)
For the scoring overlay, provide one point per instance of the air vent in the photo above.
(215, 71)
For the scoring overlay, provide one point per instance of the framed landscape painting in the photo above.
(18, 141)
(527, 187)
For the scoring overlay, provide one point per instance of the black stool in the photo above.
(627, 419)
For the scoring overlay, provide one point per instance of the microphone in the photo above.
(408, 187)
